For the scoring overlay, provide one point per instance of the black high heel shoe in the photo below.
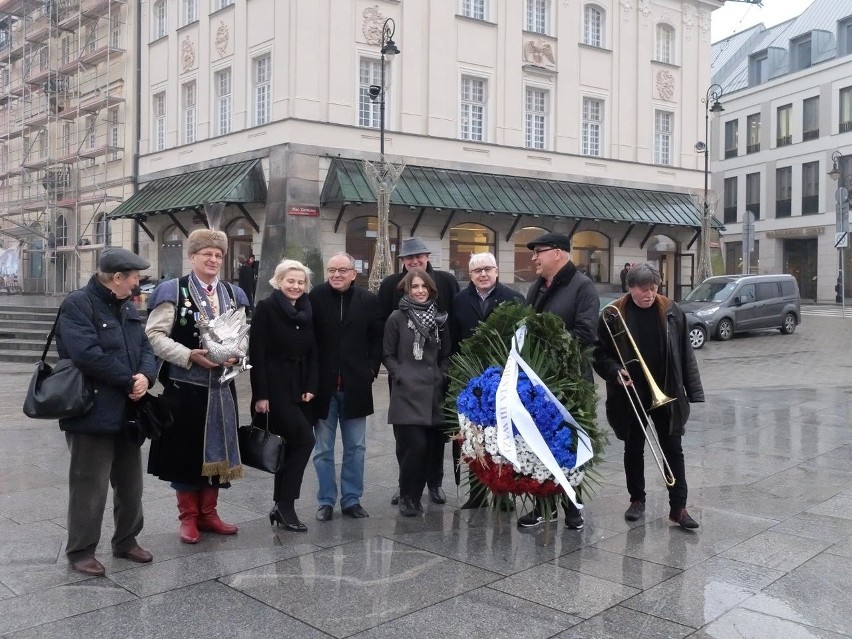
(277, 517)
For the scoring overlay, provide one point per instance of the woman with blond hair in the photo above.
(284, 380)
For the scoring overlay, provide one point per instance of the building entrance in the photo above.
(800, 261)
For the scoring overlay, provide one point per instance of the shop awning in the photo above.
(239, 183)
(449, 189)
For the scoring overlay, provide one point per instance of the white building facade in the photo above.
(513, 118)
(788, 112)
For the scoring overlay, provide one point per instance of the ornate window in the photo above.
(665, 44)
(593, 26)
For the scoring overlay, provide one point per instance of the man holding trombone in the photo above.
(644, 355)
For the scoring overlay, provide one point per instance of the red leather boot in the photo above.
(188, 515)
(208, 520)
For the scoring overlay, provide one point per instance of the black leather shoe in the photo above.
(89, 566)
(636, 510)
(407, 507)
(276, 517)
(324, 513)
(395, 498)
(356, 512)
(438, 495)
(137, 554)
(474, 502)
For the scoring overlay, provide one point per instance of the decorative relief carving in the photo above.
(374, 20)
(537, 51)
(626, 9)
(688, 13)
(704, 20)
(665, 85)
(223, 37)
(645, 10)
(187, 54)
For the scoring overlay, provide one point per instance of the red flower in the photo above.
(502, 478)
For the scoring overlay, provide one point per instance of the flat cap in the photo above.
(554, 240)
(115, 260)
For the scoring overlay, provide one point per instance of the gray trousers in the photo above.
(98, 461)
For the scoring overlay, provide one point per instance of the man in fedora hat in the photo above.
(415, 255)
(563, 290)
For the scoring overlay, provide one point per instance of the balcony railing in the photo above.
(810, 204)
(783, 208)
(753, 148)
(810, 135)
(784, 141)
(730, 215)
(730, 153)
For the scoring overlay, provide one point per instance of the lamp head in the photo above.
(834, 174)
(374, 91)
(717, 107)
(390, 49)
(700, 146)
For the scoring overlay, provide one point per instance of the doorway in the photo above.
(800, 261)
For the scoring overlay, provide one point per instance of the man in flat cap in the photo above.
(415, 255)
(563, 290)
(202, 455)
(99, 329)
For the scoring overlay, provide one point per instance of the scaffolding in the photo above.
(62, 133)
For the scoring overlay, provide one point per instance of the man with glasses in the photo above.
(349, 328)
(470, 307)
(563, 290)
(415, 255)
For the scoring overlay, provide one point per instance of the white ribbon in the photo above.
(510, 410)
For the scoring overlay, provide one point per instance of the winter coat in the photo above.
(105, 338)
(682, 381)
(417, 386)
(467, 310)
(283, 354)
(349, 346)
(390, 294)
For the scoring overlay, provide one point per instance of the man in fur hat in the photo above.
(415, 254)
(203, 454)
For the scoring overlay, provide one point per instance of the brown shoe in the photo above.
(137, 554)
(682, 519)
(636, 510)
(89, 566)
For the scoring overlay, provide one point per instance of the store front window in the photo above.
(524, 270)
(361, 244)
(591, 255)
(465, 240)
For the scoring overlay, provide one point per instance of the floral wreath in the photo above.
(560, 442)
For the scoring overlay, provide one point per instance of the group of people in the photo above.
(315, 353)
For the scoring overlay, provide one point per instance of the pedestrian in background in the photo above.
(247, 278)
(415, 255)
(416, 354)
(99, 329)
(563, 290)
(200, 454)
(658, 327)
(623, 276)
(470, 307)
(349, 326)
(284, 380)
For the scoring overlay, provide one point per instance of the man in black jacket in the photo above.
(658, 327)
(561, 289)
(415, 254)
(349, 328)
(470, 307)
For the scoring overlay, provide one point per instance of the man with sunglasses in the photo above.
(563, 290)
(349, 329)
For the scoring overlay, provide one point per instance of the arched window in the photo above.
(524, 271)
(61, 231)
(171, 253)
(665, 44)
(590, 253)
(102, 234)
(593, 26)
(465, 240)
(361, 244)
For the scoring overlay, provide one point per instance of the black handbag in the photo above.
(259, 448)
(149, 417)
(60, 391)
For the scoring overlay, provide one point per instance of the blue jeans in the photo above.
(353, 432)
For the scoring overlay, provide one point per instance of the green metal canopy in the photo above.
(449, 189)
(238, 183)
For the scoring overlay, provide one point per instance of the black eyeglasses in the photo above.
(484, 269)
(341, 271)
(539, 251)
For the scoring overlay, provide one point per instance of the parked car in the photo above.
(728, 304)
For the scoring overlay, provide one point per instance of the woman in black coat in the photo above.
(417, 352)
(284, 380)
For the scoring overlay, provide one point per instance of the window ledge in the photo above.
(583, 45)
(534, 68)
(671, 65)
(188, 24)
(215, 11)
(539, 34)
(162, 37)
(490, 23)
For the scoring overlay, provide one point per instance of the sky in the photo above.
(734, 17)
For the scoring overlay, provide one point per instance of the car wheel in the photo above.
(788, 324)
(697, 337)
(725, 330)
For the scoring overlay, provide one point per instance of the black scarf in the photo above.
(425, 320)
(298, 313)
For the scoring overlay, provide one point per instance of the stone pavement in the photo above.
(769, 464)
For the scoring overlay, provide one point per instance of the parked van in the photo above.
(728, 304)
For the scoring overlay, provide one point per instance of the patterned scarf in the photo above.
(425, 320)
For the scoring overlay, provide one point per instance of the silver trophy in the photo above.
(226, 337)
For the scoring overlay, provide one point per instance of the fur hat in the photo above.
(201, 239)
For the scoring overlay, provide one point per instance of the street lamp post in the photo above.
(705, 268)
(382, 175)
(841, 236)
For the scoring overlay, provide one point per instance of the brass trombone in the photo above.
(612, 316)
